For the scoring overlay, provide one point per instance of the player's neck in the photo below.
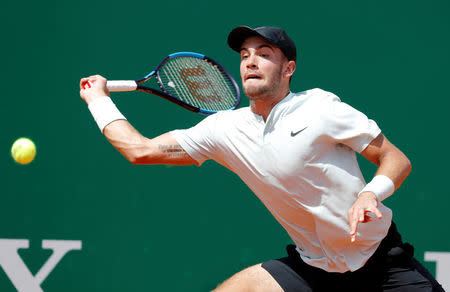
(263, 106)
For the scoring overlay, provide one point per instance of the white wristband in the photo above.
(381, 186)
(104, 111)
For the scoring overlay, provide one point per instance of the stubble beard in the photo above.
(266, 91)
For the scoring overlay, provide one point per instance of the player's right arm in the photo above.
(127, 140)
(141, 150)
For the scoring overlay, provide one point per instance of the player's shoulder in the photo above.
(229, 116)
(226, 121)
(321, 95)
(315, 99)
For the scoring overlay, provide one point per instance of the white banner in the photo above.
(18, 272)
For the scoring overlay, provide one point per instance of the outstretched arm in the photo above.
(393, 165)
(127, 140)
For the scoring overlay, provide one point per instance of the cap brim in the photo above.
(238, 35)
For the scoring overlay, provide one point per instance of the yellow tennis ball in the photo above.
(23, 150)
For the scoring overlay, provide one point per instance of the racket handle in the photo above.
(121, 85)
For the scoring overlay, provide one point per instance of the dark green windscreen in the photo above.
(164, 228)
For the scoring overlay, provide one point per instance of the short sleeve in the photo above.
(198, 141)
(348, 126)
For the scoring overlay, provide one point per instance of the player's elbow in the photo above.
(408, 166)
(134, 159)
(403, 164)
(137, 159)
(140, 153)
(141, 157)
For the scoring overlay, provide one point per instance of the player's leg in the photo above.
(406, 279)
(289, 274)
(254, 278)
(424, 272)
(410, 277)
(402, 271)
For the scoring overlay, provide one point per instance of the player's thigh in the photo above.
(406, 279)
(254, 278)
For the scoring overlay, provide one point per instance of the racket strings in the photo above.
(175, 84)
(190, 88)
(198, 82)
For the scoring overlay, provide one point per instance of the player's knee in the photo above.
(252, 279)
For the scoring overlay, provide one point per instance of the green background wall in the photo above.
(160, 228)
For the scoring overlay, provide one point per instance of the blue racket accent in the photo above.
(186, 54)
(149, 75)
(206, 112)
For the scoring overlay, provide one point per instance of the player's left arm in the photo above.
(393, 164)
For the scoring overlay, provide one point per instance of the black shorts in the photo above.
(391, 268)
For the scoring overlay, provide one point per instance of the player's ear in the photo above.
(290, 69)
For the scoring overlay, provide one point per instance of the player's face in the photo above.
(261, 68)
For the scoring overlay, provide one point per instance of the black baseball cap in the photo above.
(274, 35)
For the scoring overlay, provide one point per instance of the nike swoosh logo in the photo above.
(293, 134)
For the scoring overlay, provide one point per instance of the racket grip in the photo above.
(121, 85)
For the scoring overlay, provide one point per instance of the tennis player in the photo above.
(296, 151)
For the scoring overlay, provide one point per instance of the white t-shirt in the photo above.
(301, 163)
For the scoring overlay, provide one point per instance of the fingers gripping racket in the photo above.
(190, 80)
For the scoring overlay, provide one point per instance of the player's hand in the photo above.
(366, 202)
(93, 87)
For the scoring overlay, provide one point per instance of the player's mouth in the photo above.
(253, 76)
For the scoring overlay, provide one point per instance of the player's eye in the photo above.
(244, 56)
(264, 54)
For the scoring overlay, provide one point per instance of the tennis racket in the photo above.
(191, 80)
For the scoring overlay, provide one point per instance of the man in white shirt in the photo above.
(296, 151)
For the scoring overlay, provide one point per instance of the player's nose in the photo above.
(252, 62)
